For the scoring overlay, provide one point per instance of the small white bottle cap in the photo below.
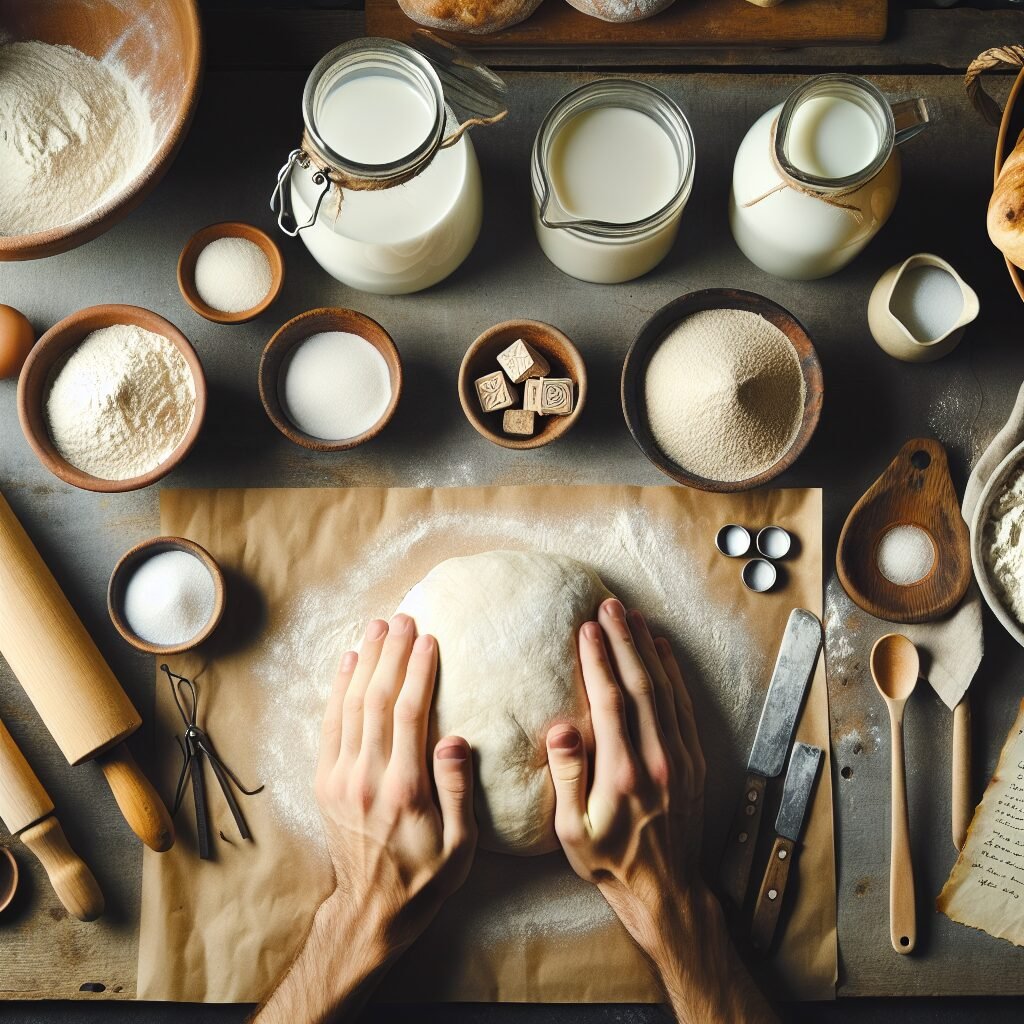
(759, 575)
(774, 542)
(733, 540)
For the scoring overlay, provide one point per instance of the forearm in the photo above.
(337, 968)
(704, 979)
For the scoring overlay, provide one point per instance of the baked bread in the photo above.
(620, 10)
(1006, 207)
(476, 16)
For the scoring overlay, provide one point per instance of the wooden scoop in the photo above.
(915, 490)
(895, 668)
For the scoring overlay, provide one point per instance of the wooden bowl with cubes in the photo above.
(522, 384)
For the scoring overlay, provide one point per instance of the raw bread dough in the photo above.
(506, 625)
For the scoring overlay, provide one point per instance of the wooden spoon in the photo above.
(895, 668)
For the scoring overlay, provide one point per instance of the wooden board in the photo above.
(685, 23)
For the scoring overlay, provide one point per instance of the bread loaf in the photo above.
(1006, 207)
(621, 10)
(476, 16)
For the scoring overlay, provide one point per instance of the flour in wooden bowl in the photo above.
(724, 394)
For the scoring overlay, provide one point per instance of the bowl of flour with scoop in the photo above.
(506, 625)
(722, 390)
(95, 100)
(112, 398)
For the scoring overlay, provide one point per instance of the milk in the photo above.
(400, 239)
(928, 301)
(617, 165)
(831, 137)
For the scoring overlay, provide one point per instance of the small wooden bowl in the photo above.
(481, 358)
(156, 42)
(1009, 128)
(47, 353)
(228, 229)
(9, 876)
(634, 370)
(122, 574)
(298, 329)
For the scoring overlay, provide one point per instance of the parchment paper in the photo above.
(305, 571)
(986, 887)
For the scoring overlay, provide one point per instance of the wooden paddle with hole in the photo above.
(77, 696)
(27, 811)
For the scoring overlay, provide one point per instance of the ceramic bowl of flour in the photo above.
(157, 410)
(998, 593)
(138, 64)
(705, 435)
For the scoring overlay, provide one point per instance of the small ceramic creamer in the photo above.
(816, 177)
(919, 309)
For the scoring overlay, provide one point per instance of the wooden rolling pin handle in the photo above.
(71, 879)
(139, 802)
(963, 805)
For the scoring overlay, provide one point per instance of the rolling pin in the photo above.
(27, 811)
(77, 696)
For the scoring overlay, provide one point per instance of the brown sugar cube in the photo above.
(531, 393)
(519, 421)
(494, 392)
(556, 396)
(521, 361)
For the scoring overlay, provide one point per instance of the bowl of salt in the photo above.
(166, 595)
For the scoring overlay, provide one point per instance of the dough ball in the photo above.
(475, 16)
(621, 10)
(506, 625)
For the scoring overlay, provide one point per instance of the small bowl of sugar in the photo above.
(112, 398)
(330, 379)
(166, 595)
(230, 272)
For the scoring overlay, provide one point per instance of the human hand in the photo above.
(397, 852)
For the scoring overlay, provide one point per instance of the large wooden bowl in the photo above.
(157, 41)
(47, 354)
(634, 370)
(1009, 129)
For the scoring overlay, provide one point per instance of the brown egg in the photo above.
(16, 340)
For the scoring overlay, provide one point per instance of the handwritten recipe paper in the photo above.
(986, 887)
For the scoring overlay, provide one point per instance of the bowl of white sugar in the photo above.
(112, 398)
(166, 595)
(330, 379)
(95, 101)
(722, 390)
(997, 543)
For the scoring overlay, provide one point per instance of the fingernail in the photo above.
(614, 608)
(400, 624)
(567, 740)
(348, 661)
(454, 752)
(423, 643)
(376, 629)
(662, 644)
(636, 618)
(592, 631)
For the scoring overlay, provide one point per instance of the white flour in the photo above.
(1003, 544)
(121, 402)
(73, 132)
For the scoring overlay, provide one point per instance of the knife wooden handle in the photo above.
(963, 805)
(739, 848)
(71, 879)
(141, 806)
(769, 899)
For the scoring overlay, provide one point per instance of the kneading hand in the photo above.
(630, 816)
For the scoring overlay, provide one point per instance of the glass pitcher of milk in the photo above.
(612, 169)
(816, 177)
(385, 187)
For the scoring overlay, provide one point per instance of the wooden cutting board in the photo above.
(686, 23)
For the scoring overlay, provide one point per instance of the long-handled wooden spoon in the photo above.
(895, 668)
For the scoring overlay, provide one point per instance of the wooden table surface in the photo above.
(247, 122)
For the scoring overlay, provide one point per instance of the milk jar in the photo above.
(385, 187)
(816, 177)
(612, 169)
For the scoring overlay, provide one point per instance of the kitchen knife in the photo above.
(794, 667)
(796, 795)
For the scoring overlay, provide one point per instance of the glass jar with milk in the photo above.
(816, 177)
(385, 188)
(612, 169)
